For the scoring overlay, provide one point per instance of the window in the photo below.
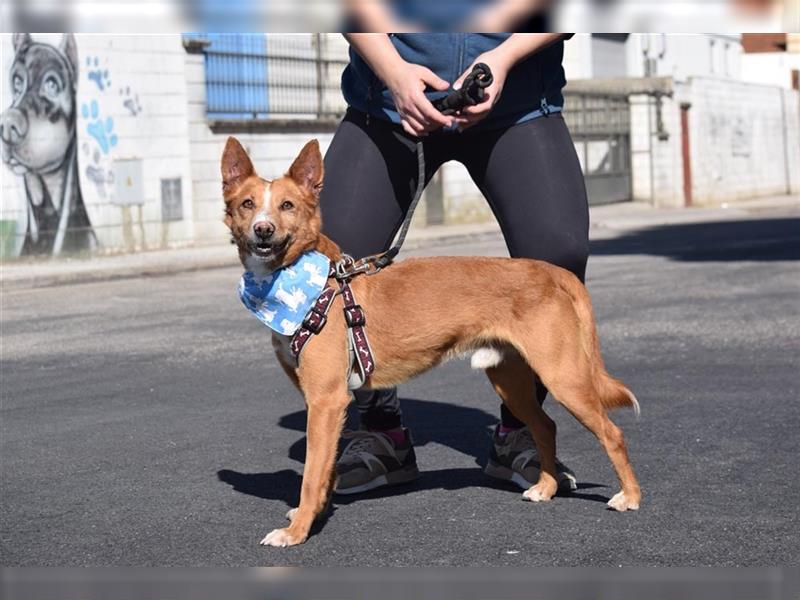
(260, 77)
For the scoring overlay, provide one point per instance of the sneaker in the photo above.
(514, 458)
(372, 460)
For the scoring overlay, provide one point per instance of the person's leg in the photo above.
(531, 177)
(370, 178)
(369, 173)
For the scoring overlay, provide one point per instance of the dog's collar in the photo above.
(282, 299)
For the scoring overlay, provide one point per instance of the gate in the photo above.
(601, 129)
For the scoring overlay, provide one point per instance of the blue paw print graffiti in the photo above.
(101, 130)
(96, 74)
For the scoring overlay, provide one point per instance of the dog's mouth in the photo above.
(268, 249)
(12, 161)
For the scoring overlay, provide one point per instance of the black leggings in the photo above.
(529, 174)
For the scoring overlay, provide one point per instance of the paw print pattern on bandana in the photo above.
(282, 299)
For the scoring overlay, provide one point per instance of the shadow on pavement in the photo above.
(748, 240)
(461, 428)
(464, 429)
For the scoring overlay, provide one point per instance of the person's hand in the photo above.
(407, 85)
(500, 66)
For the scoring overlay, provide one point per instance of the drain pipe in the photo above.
(686, 152)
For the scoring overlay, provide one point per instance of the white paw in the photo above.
(620, 502)
(534, 494)
(291, 513)
(279, 538)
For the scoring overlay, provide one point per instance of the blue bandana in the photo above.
(282, 299)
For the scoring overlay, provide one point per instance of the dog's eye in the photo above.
(17, 83)
(287, 205)
(248, 203)
(51, 85)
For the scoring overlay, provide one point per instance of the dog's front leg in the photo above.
(325, 421)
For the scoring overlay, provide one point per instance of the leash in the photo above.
(362, 362)
(471, 92)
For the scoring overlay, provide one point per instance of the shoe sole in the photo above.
(566, 483)
(394, 478)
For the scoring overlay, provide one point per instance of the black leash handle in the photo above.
(471, 93)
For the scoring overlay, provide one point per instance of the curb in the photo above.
(100, 274)
(625, 220)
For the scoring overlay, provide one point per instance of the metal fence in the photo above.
(601, 128)
(260, 77)
(267, 79)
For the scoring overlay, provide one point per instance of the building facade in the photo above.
(112, 143)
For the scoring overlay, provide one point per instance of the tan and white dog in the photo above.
(539, 322)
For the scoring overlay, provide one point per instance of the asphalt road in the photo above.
(145, 422)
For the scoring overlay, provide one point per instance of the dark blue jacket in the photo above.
(532, 88)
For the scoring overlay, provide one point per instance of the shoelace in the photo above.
(363, 442)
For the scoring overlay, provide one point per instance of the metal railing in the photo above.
(262, 77)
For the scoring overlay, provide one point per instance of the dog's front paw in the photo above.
(281, 538)
(541, 492)
(621, 502)
(291, 513)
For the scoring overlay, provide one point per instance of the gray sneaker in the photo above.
(372, 460)
(514, 458)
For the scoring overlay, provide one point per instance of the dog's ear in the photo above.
(236, 165)
(70, 49)
(21, 40)
(307, 170)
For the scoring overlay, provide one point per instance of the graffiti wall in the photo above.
(95, 146)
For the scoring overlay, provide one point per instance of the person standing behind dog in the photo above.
(518, 152)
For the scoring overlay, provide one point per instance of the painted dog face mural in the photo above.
(39, 143)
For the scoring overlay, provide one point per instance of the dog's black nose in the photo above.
(264, 229)
(13, 126)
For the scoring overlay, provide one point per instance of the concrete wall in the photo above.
(656, 161)
(745, 140)
(126, 96)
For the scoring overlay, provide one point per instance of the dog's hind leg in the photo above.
(584, 403)
(568, 374)
(513, 380)
(566, 356)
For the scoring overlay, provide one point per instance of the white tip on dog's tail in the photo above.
(486, 358)
(614, 394)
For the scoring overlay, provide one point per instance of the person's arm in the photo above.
(406, 82)
(501, 59)
(505, 15)
(372, 15)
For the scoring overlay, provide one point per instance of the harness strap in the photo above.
(355, 318)
(359, 344)
(313, 322)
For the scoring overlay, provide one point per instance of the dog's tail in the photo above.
(612, 392)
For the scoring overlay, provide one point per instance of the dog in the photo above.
(39, 143)
(538, 323)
